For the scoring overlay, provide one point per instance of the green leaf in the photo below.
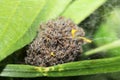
(109, 31)
(106, 47)
(17, 17)
(19, 27)
(53, 9)
(86, 67)
(81, 9)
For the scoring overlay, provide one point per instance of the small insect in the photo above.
(73, 31)
(52, 54)
(85, 39)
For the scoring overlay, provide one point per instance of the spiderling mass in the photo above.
(58, 41)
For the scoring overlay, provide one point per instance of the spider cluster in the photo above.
(55, 44)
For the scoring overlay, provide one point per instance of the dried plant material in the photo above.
(86, 40)
(55, 43)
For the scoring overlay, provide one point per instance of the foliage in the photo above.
(20, 20)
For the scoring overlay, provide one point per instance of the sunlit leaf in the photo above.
(81, 9)
(20, 20)
(86, 67)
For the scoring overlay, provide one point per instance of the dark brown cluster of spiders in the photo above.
(56, 43)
